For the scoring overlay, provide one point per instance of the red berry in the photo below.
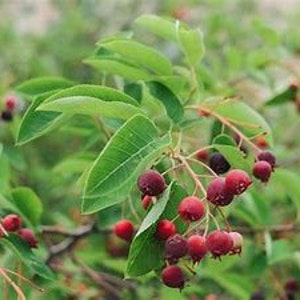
(261, 142)
(151, 183)
(28, 236)
(191, 209)
(124, 229)
(237, 181)
(172, 276)
(238, 241)
(218, 163)
(146, 201)
(202, 155)
(165, 229)
(218, 194)
(262, 170)
(219, 242)
(10, 102)
(197, 247)
(176, 246)
(269, 157)
(12, 222)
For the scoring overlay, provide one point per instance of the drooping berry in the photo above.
(29, 237)
(219, 242)
(151, 183)
(202, 155)
(165, 228)
(218, 163)
(6, 115)
(12, 222)
(238, 241)
(218, 194)
(262, 170)
(237, 181)
(191, 209)
(146, 201)
(173, 276)
(269, 157)
(196, 247)
(124, 229)
(176, 246)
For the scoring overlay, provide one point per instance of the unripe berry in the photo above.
(238, 241)
(261, 142)
(6, 115)
(165, 229)
(237, 181)
(191, 209)
(176, 246)
(151, 183)
(219, 242)
(197, 247)
(12, 222)
(124, 229)
(218, 163)
(146, 201)
(172, 276)
(269, 157)
(29, 237)
(218, 194)
(262, 170)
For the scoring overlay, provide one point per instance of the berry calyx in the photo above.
(196, 247)
(151, 183)
(176, 246)
(238, 241)
(218, 194)
(191, 209)
(219, 242)
(237, 181)
(262, 170)
(218, 163)
(29, 237)
(146, 201)
(12, 222)
(124, 229)
(269, 157)
(165, 229)
(173, 276)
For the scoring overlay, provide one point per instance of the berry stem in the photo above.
(228, 227)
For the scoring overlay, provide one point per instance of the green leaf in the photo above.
(42, 85)
(224, 139)
(22, 250)
(37, 123)
(171, 102)
(28, 203)
(158, 25)
(288, 95)
(130, 151)
(91, 106)
(191, 42)
(141, 54)
(134, 90)
(118, 67)
(279, 250)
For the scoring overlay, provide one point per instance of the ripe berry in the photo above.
(146, 201)
(218, 194)
(197, 247)
(176, 246)
(191, 209)
(172, 276)
(269, 157)
(291, 285)
(202, 155)
(237, 181)
(151, 183)
(218, 163)
(262, 170)
(28, 236)
(6, 115)
(219, 242)
(238, 241)
(124, 229)
(10, 102)
(165, 229)
(12, 222)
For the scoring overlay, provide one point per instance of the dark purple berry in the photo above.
(6, 115)
(218, 194)
(151, 183)
(269, 157)
(218, 163)
(176, 246)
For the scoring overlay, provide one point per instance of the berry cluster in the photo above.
(13, 223)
